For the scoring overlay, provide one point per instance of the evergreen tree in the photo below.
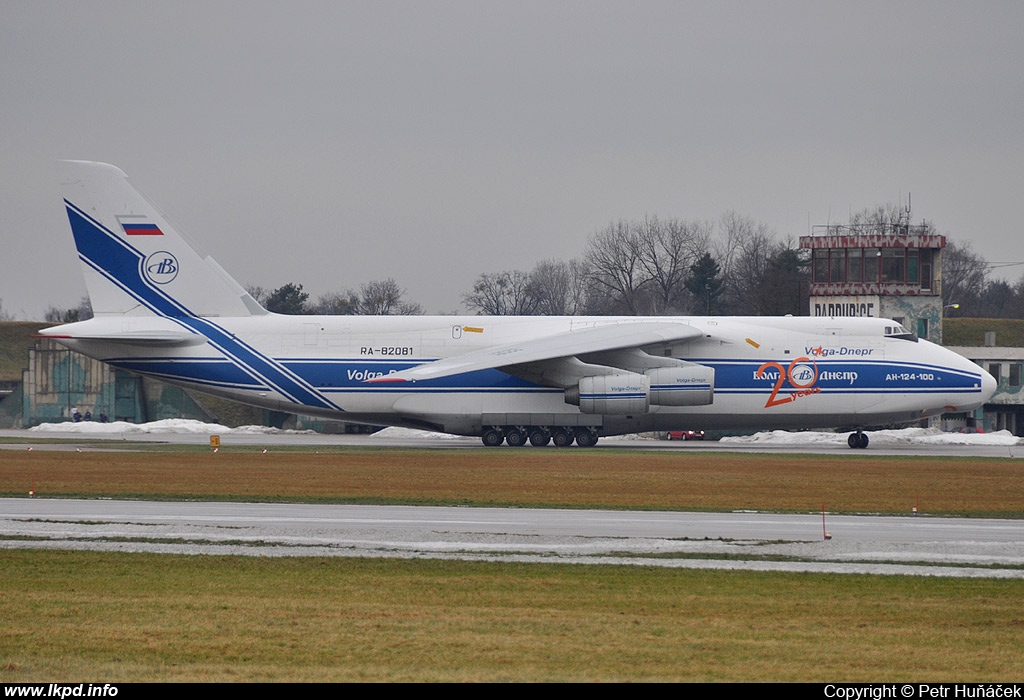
(705, 285)
(288, 299)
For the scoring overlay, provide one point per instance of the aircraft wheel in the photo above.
(857, 441)
(515, 437)
(562, 438)
(492, 437)
(585, 438)
(539, 437)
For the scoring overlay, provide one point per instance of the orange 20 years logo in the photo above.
(802, 375)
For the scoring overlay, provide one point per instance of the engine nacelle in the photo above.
(690, 385)
(619, 394)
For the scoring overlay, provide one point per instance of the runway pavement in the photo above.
(759, 541)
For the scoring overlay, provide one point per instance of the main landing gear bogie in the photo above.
(538, 436)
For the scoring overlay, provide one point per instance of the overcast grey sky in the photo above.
(333, 143)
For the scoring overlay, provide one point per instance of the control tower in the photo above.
(882, 269)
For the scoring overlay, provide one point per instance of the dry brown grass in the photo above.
(605, 478)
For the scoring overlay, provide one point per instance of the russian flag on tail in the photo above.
(134, 229)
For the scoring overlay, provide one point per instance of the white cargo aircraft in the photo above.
(164, 308)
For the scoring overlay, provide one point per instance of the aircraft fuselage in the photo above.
(768, 372)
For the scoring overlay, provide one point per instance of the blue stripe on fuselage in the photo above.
(214, 371)
(350, 375)
(346, 374)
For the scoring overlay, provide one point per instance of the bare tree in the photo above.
(260, 294)
(617, 272)
(964, 277)
(668, 249)
(746, 253)
(385, 298)
(82, 312)
(342, 303)
(999, 300)
(1017, 305)
(733, 230)
(885, 219)
(558, 288)
(4, 316)
(502, 294)
(579, 284)
(641, 267)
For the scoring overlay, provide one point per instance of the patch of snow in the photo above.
(170, 425)
(394, 432)
(904, 436)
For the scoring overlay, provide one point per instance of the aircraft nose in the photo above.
(981, 394)
(988, 386)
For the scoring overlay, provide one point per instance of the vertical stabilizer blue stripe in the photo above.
(121, 264)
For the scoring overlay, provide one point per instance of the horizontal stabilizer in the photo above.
(100, 330)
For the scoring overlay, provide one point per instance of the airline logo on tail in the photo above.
(161, 267)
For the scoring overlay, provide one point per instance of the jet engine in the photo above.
(622, 393)
(630, 392)
(689, 385)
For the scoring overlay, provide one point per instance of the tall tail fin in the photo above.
(135, 262)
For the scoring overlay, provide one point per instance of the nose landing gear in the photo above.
(857, 440)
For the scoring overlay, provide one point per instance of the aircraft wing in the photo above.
(602, 338)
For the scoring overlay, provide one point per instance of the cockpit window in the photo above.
(898, 331)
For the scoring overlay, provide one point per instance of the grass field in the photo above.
(606, 478)
(141, 617)
(87, 616)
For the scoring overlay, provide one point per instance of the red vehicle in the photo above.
(685, 435)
